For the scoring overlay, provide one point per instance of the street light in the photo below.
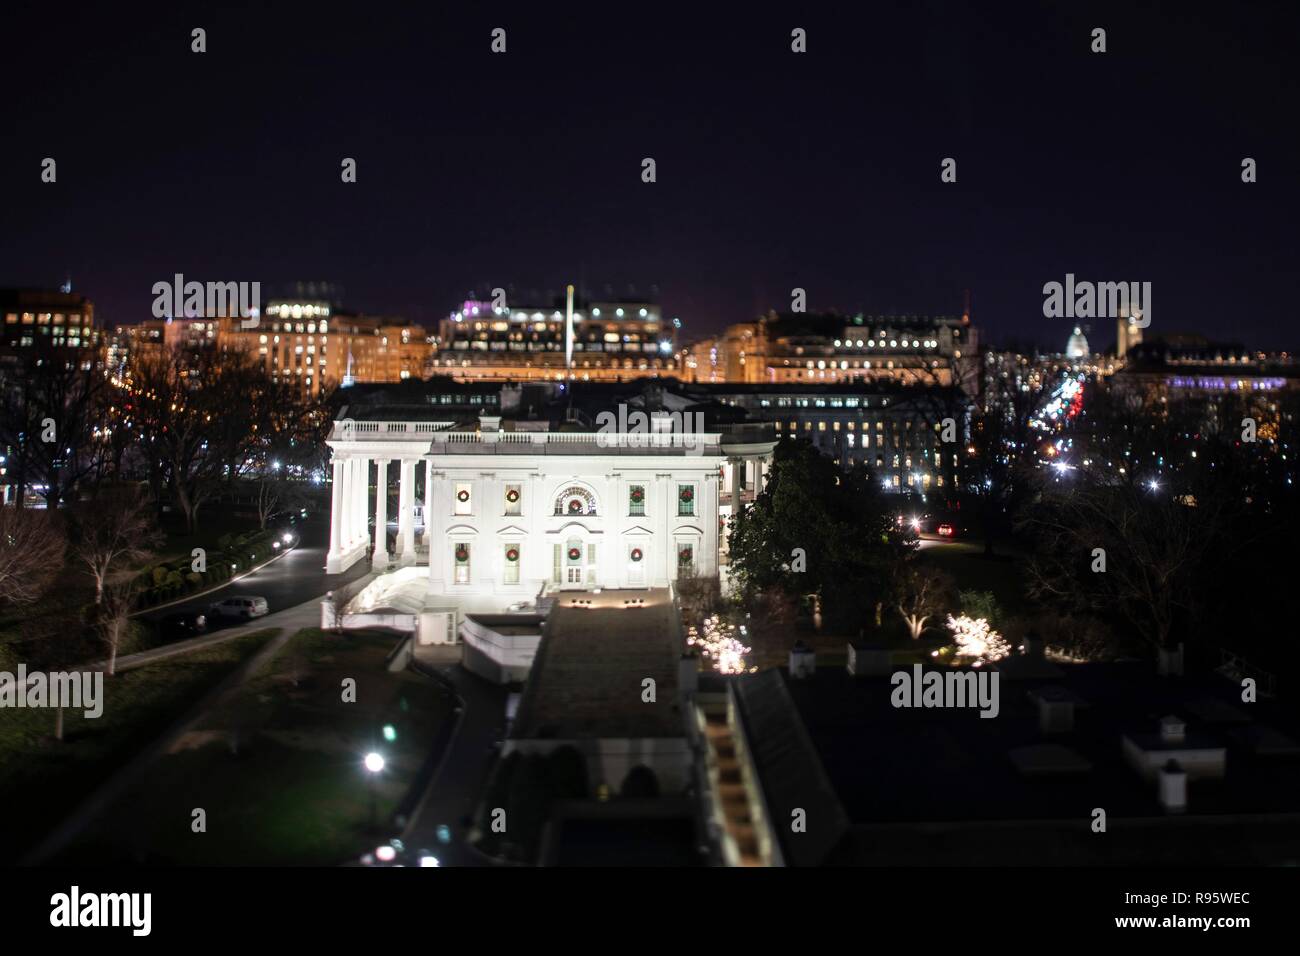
(374, 764)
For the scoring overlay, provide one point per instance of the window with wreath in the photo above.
(685, 559)
(512, 556)
(460, 562)
(685, 499)
(636, 500)
(575, 500)
(514, 498)
(462, 499)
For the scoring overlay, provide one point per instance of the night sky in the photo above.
(775, 170)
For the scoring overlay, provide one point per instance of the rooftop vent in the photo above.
(1172, 787)
(803, 661)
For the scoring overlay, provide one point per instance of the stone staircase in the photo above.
(730, 789)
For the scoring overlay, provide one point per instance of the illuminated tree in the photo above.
(977, 643)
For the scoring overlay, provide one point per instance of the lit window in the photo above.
(460, 562)
(463, 500)
(510, 569)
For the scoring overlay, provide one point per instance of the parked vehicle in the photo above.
(243, 606)
(185, 622)
(946, 530)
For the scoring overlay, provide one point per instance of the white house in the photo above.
(515, 512)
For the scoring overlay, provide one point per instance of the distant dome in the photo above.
(1077, 346)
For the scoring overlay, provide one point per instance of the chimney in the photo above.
(661, 422)
(803, 661)
(1169, 661)
(489, 427)
(1171, 781)
(1055, 710)
(1173, 729)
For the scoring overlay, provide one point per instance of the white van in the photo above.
(242, 606)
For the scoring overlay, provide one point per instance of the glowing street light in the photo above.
(374, 764)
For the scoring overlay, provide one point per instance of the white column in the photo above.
(345, 526)
(359, 475)
(381, 513)
(428, 502)
(363, 503)
(666, 497)
(737, 483)
(708, 512)
(436, 521)
(405, 514)
(336, 518)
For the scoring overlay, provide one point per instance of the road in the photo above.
(453, 792)
(286, 582)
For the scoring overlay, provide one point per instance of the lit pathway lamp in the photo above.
(374, 764)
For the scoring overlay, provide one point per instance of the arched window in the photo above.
(575, 500)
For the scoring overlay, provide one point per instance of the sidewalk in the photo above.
(307, 614)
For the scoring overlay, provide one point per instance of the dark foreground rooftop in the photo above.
(586, 680)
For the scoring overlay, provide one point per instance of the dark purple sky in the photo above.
(775, 170)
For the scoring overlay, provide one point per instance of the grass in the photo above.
(277, 768)
(42, 780)
(1003, 574)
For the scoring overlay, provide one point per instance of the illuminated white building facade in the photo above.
(511, 515)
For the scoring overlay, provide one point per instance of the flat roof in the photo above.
(586, 680)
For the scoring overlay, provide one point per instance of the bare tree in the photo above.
(31, 554)
(52, 407)
(207, 419)
(919, 594)
(1107, 545)
(112, 615)
(112, 534)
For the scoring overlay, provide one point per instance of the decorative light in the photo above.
(976, 641)
(718, 642)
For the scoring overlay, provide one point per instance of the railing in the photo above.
(348, 430)
(603, 439)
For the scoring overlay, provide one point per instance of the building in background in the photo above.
(311, 344)
(616, 340)
(829, 348)
(47, 319)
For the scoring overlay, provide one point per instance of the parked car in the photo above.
(946, 530)
(241, 606)
(185, 622)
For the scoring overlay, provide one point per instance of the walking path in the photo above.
(454, 789)
(307, 614)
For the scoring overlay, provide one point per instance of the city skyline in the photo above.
(818, 172)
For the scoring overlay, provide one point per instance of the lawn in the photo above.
(278, 767)
(972, 571)
(42, 780)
